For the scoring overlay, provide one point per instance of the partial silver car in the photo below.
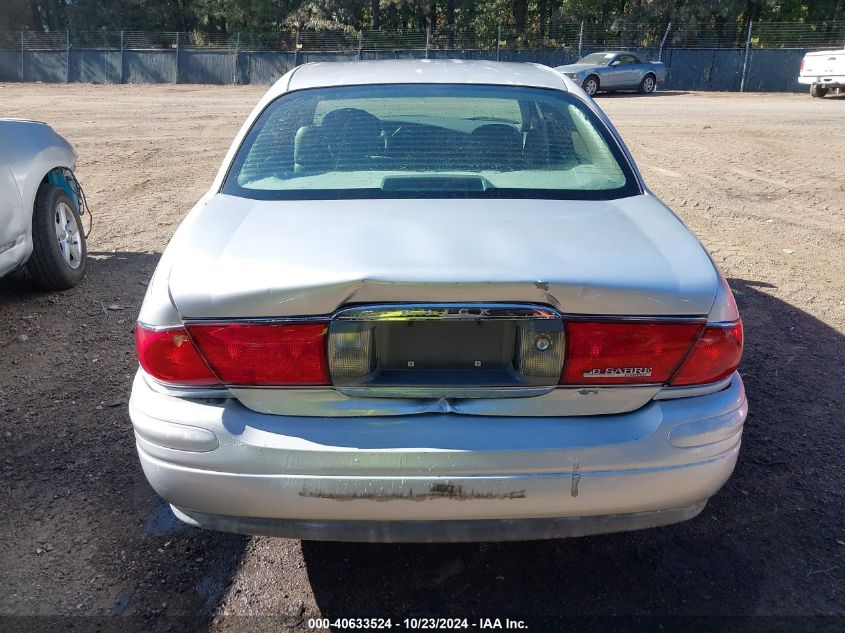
(41, 203)
(434, 301)
(615, 70)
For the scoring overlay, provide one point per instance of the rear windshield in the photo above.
(421, 140)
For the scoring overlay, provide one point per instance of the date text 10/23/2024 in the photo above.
(415, 624)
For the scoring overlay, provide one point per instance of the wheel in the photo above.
(648, 84)
(818, 90)
(59, 256)
(591, 85)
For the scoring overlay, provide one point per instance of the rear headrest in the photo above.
(352, 135)
(497, 146)
(311, 151)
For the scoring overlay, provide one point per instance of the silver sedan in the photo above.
(40, 205)
(434, 301)
(615, 70)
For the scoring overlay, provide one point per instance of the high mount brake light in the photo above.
(169, 355)
(625, 352)
(256, 354)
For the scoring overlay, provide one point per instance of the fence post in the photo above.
(22, 53)
(296, 46)
(427, 39)
(745, 61)
(360, 45)
(176, 78)
(122, 66)
(235, 60)
(581, 40)
(662, 42)
(67, 56)
(498, 41)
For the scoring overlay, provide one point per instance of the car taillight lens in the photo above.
(715, 356)
(351, 353)
(264, 355)
(621, 353)
(539, 352)
(169, 355)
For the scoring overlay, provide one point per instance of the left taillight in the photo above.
(169, 355)
(257, 354)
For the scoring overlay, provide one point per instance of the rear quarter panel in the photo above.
(29, 150)
(659, 69)
(12, 248)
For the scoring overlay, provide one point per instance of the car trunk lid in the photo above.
(246, 258)
(261, 261)
(823, 64)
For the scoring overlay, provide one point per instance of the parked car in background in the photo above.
(433, 300)
(823, 71)
(40, 205)
(615, 70)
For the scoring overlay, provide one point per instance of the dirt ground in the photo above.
(761, 180)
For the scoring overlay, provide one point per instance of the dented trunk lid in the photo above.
(247, 258)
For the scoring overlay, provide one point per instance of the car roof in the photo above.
(420, 71)
(635, 53)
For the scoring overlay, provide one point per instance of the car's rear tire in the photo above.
(648, 84)
(591, 85)
(818, 90)
(59, 255)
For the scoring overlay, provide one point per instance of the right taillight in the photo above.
(625, 352)
(715, 356)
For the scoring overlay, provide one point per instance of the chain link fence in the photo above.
(751, 56)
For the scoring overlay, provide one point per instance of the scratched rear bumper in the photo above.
(226, 467)
(443, 531)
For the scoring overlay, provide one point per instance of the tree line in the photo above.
(540, 18)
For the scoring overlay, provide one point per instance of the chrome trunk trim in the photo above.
(668, 393)
(445, 312)
(445, 392)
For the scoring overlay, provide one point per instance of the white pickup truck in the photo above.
(823, 70)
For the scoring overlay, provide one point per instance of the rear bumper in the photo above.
(436, 477)
(836, 81)
(444, 531)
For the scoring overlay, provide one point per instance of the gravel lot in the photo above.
(758, 177)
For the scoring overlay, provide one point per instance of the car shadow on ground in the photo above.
(766, 544)
(633, 93)
(90, 536)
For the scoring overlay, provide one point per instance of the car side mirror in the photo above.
(615, 62)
